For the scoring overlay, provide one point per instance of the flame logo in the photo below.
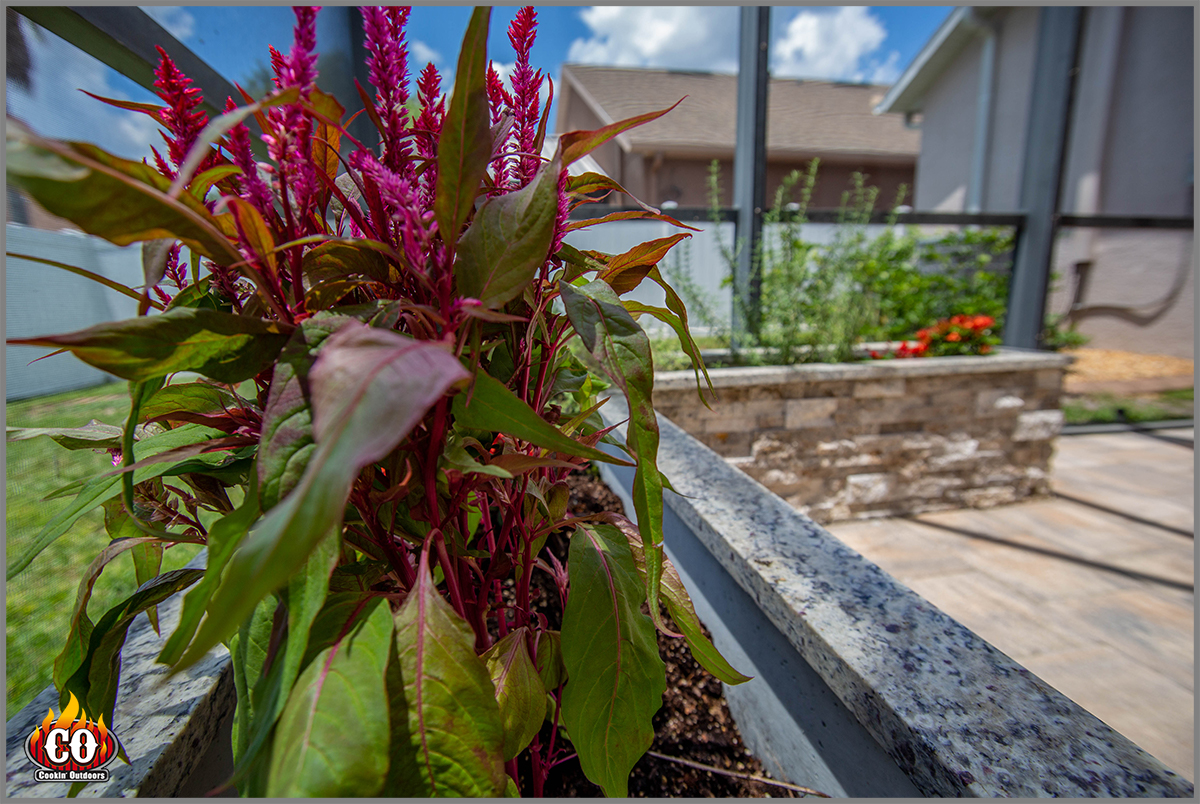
(71, 746)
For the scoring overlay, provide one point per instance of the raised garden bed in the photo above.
(887, 437)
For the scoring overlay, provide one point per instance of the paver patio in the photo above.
(1092, 590)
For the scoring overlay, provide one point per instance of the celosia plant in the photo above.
(400, 363)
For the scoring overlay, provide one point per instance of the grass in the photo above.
(39, 601)
(1106, 408)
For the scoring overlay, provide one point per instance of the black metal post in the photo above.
(750, 161)
(1045, 143)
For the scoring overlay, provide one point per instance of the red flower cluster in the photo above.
(957, 335)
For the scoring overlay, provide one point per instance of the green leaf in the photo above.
(508, 241)
(228, 348)
(93, 435)
(519, 690)
(679, 605)
(117, 199)
(494, 408)
(626, 271)
(249, 647)
(465, 145)
(456, 456)
(154, 261)
(205, 181)
(370, 387)
(337, 615)
(184, 400)
(286, 444)
(305, 597)
(337, 259)
(332, 739)
(223, 539)
(577, 144)
(96, 491)
(685, 341)
(452, 741)
(675, 305)
(616, 678)
(80, 633)
(621, 347)
(94, 683)
(549, 659)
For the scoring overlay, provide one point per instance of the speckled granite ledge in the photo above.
(1003, 360)
(165, 728)
(957, 716)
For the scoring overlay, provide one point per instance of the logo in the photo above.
(71, 748)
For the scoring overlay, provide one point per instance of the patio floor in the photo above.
(1092, 590)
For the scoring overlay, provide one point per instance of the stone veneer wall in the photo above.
(847, 441)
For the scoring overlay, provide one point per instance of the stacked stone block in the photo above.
(886, 438)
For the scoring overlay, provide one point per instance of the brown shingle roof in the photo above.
(803, 117)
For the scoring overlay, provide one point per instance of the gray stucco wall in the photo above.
(1130, 152)
(947, 134)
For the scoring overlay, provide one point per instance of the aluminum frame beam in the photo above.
(750, 160)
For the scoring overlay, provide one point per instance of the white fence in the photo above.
(42, 300)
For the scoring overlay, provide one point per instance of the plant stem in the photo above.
(808, 791)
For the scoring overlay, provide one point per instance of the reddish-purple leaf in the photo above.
(577, 144)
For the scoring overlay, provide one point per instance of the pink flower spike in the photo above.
(180, 117)
(387, 64)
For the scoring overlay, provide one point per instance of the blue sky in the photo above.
(843, 43)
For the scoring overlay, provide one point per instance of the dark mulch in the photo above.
(694, 722)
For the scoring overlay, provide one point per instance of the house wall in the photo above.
(1016, 42)
(1130, 152)
(947, 135)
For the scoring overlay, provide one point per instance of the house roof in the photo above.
(804, 118)
(908, 94)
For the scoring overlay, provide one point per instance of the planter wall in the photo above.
(845, 441)
(861, 687)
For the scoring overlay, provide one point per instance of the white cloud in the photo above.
(840, 45)
(178, 22)
(422, 54)
(695, 38)
(56, 107)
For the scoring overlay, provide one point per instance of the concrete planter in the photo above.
(861, 687)
(878, 438)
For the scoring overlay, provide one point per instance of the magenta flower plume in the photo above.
(291, 146)
(428, 128)
(253, 188)
(526, 94)
(500, 102)
(182, 119)
(388, 69)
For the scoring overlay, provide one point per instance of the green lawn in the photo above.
(1106, 408)
(39, 600)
